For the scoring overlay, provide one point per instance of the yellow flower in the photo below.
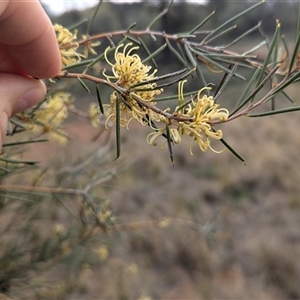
(175, 135)
(199, 115)
(194, 119)
(89, 47)
(153, 136)
(55, 109)
(102, 253)
(105, 215)
(59, 230)
(203, 112)
(94, 112)
(128, 70)
(49, 116)
(68, 45)
(58, 136)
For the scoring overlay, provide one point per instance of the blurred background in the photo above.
(209, 227)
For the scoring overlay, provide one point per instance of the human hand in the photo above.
(28, 48)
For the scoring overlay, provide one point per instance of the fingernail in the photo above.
(30, 98)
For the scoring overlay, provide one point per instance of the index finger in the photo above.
(28, 35)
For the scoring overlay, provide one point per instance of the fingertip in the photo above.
(52, 64)
(28, 36)
(31, 97)
(18, 93)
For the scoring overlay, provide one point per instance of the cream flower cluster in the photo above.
(193, 119)
(198, 116)
(49, 116)
(68, 45)
(128, 71)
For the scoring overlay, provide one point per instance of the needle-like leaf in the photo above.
(275, 112)
(118, 127)
(93, 16)
(169, 142)
(202, 23)
(83, 84)
(160, 15)
(99, 98)
(221, 27)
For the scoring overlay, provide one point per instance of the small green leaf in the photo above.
(221, 33)
(255, 48)
(187, 74)
(288, 97)
(195, 64)
(275, 112)
(167, 98)
(245, 34)
(224, 82)
(258, 88)
(131, 26)
(132, 39)
(77, 24)
(118, 127)
(14, 161)
(298, 23)
(80, 64)
(169, 142)
(202, 23)
(235, 153)
(158, 78)
(148, 51)
(165, 11)
(219, 66)
(99, 98)
(243, 100)
(83, 84)
(95, 60)
(286, 82)
(295, 53)
(93, 16)
(182, 106)
(220, 28)
(273, 46)
(24, 142)
(178, 56)
(159, 50)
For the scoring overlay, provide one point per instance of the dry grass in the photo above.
(244, 242)
(247, 245)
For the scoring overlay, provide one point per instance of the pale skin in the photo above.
(28, 50)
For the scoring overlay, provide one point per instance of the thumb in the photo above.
(17, 93)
